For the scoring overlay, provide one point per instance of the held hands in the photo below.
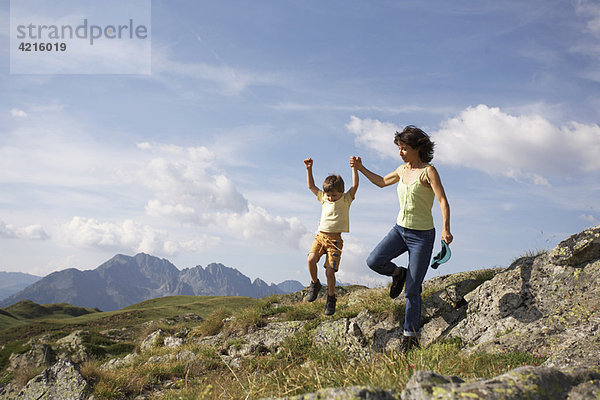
(308, 163)
(355, 162)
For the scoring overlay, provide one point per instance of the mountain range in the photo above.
(13, 282)
(125, 280)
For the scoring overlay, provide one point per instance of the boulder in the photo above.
(546, 305)
(263, 340)
(520, 383)
(347, 393)
(62, 381)
(159, 338)
(153, 340)
(345, 334)
(73, 346)
(40, 355)
(117, 363)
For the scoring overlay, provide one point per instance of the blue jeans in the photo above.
(419, 245)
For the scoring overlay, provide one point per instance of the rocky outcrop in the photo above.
(546, 304)
(520, 383)
(40, 355)
(62, 381)
(73, 346)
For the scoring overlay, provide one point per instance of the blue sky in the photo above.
(200, 161)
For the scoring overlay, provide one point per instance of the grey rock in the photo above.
(265, 339)
(161, 359)
(153, 340)
(117, 363)
(62, 381)
(185, 355)
(173, 342)
(344, 334)
(538, 306)
(520, 383)
(347, 393)
(578, 249)
(73, 346)
(40, 355)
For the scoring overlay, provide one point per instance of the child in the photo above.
(334, 220)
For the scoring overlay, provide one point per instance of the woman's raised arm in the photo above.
(375, 179)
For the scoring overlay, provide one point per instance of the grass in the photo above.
(297, 367)
(132, 316)
(301, 368)
(55, 321)
(27, 311)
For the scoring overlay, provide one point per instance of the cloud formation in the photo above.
(16, 112)
(527, 148)
(30, 232)
(126, 236)
(189, 188)
(524, 147)
(180, 189)
(374, 134)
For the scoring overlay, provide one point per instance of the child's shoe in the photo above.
(397, 283)
(330, 305)
(313, 291)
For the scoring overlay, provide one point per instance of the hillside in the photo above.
(125, 280)
(530, 330)
(27, 311)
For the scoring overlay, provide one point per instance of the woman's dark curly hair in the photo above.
(417, 139)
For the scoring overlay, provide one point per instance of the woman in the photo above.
(418, 183)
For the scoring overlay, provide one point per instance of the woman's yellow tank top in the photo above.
(416, 201)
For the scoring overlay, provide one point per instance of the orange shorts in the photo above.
(330, 243)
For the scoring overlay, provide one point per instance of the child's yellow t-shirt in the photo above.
(335, 216)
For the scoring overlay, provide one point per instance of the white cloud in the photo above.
(189, 188)
(375, 135)
(258, 224)
(175, 185)
(523, 147)
(128, 235)
(30, 232)
(15, 112)
(186, 181)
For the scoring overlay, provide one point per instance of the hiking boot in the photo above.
(330, 305)
(313, 291)
(397, 283)
(408, 342)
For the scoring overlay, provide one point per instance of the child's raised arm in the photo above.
(309, 176)
(354, 187)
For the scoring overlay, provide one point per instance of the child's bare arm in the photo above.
(309, 176)
(354, 187)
